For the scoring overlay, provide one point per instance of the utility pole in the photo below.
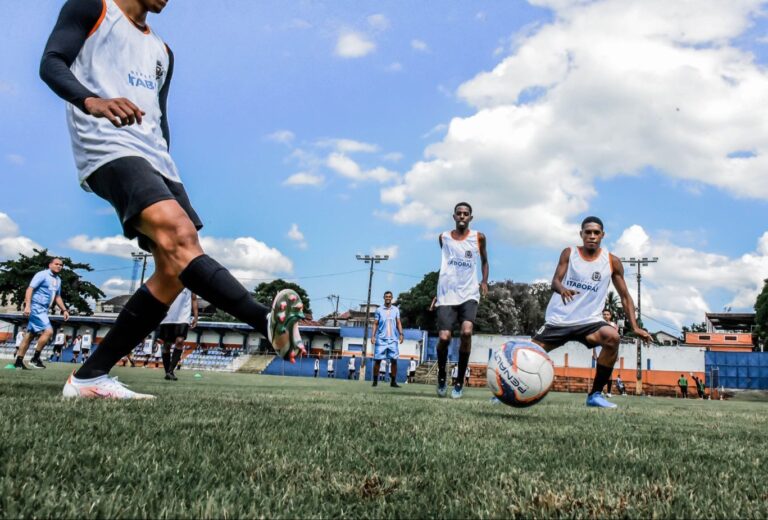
(335, 297)
(368, 259)
(639, 262)
(140, 257)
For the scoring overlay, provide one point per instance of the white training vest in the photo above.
(120, 60)
(591, 280)
(181, 308)
(458, 281)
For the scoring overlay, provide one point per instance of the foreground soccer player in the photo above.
(574, 313)
(115, 73)
(458, 293)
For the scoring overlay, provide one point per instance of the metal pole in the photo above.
(368, 259)
(639, 262)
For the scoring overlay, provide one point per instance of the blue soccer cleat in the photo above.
(442, 389)
(457, 392)
(597, 400)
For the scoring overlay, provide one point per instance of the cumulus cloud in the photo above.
(675, 289)
(116, 245)
(297, 236)
(281, 136)
(348, 145)
(304, 179)
(348, 168)
(607, 88)
(395, 66)
(115, 287)
(378, 22)
(250, 260)
(16, 159)
(352, 44)
(11, 243)
(419, 45)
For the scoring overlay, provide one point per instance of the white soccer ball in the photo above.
(520, 373)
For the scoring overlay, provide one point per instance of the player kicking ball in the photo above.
(582, 278)
(115, 73)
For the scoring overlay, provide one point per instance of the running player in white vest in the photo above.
(458, 293)
(574, 313)
(174, 328)
(115, 73)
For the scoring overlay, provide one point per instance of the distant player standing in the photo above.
(329, 367)
(412, 371)
(580, 284)
(58, 346)
(115, 73)
(351, 368)
(317, 366)
(387, 337)
(86, 343)
(44, 289)
(458, 292)
(76, 345)
(174, 328)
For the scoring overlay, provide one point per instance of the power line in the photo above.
(326, 275)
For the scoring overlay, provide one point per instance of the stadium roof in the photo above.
(731, 321)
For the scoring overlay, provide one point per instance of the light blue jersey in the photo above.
(45, 287)
(387, 335)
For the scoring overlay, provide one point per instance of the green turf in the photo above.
(236, 445)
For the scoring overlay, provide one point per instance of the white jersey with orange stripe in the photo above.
(591, 280)
(120, 60)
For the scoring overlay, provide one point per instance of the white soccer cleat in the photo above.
(103, 387)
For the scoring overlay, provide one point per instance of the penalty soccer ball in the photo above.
(520, 373)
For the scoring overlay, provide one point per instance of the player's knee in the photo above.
(174, 239)
(444, 335)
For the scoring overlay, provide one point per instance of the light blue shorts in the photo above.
(38, 320)
(387, 350)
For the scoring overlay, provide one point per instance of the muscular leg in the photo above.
(42, 342)
(166, 356)
(608, 338)
(465, 349)
(25, 343)
(376, 366)
(178, 349)
(444, 339)
(393, 372)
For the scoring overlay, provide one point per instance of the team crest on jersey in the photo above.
(596, 276)
(159, 71)
(468, 254)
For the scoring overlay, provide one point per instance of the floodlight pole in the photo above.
(368, 259)
(141, 256)
(639, 262)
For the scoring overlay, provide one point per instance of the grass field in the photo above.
(231, 445)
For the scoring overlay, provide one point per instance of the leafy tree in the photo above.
(498, 312)
(414, 304)
(219, 315)
(265, 293)
(15, 276)
(695, 327)
(761, 314)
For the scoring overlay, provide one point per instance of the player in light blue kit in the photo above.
(386, 342)
(43, 290)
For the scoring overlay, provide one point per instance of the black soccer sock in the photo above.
(602, 376)
(175, 358)
(463, 362)
(19, 359)
(207, 278)
(608, 387)
(442, 360)
(140, 316)
(166, 355)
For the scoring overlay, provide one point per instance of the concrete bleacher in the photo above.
(212, 359)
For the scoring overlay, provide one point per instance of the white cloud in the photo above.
(16, 159)
(250, 260)
(419, 45)
(7, 88)
(348, 145)
(281, 136)
(607, 88)
(393, 157)
(437, 129)
(116, 245)
(481, 16)
(675, 289)
(353, 44)
(346, 167)
(395, 66)
(115, 287)
(11, 243)
(297, 236)
(378, 22)
(304, 179)
(390, 251)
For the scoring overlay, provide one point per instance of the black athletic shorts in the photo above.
(57, 349)
(131, 185)
(449, 315)
(558, 336)
(168, 332)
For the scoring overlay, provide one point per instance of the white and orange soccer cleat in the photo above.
(103, 387)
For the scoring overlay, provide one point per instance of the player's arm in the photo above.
(617, 277)
(194, 311)
(373, 331)
(400, 329)
(60, 303)
(76, 21)
(28, 301)
(483, 263)
(557, 280)
(164, 100)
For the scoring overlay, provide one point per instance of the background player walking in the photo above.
(174, 329)
(387, 336)
(458, 292)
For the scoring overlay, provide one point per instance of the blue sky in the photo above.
(308, 132)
